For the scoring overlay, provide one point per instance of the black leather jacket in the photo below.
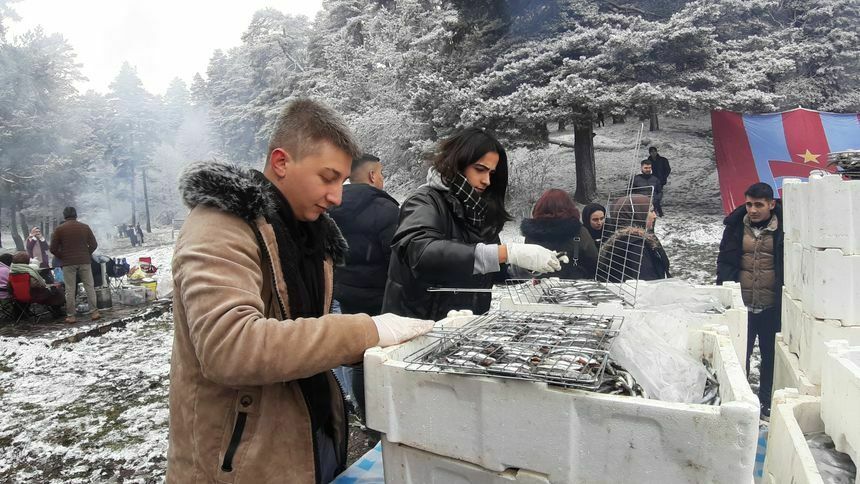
(435, 247)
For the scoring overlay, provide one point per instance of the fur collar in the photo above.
(246, 194)
(550, 228)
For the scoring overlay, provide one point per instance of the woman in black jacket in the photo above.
(555, 225)
(632, 251)
(448, 235)
(593, 216)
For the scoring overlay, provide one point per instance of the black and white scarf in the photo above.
(474, 207)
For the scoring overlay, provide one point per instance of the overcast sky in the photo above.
(163, 39)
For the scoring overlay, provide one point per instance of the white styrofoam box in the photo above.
(728, 295)
(404, 464)
(788, 457)
(569, 435)
(840, 397)
(831, 286)
(804, 203)
(814, 333)
(795, 206)
(793, 269)
(792, 318)
(787, 372)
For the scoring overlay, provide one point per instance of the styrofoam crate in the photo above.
(787, 372)
(831, 286)
(795, 205)
(794, 269)
(788, 457)
(840, 397)
(812, 350)
(728, 295)
(569, 435)
(802, 202)
(404, 464)
(792, 318)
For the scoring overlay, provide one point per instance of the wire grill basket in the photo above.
(564, 292)
(560, 349)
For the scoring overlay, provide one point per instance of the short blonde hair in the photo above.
(304, 123)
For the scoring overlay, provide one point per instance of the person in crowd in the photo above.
(139, 233)
(646, 183)
(633, 250)
(132, 235)
(252, 395)
(593, 217)
(73, 243)
(751, 252)
(5, 263)
(660, 167)
(367, 217)
(555, 225)
(448, 233)
(37, 248)
(40, 291)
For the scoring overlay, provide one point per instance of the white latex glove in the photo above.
(533, 257)
(394, 329)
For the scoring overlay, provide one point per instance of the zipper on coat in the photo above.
(345, 446)
(235, 439)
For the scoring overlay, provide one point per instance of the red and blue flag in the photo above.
(770, 147)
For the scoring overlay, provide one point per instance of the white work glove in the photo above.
(394, 329)
(533, 257)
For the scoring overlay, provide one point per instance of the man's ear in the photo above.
(772, 204)
(278, 160)
(371, 176)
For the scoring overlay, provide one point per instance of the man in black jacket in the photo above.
(367, 217)
(661, 169)
(751, 253)
(646, 179)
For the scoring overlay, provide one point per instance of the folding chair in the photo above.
(7, 305)
(23, 299)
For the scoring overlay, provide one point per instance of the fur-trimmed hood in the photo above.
(634, 232)
(550, 228)
(247, 194)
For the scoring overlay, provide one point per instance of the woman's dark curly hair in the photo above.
(466, 147)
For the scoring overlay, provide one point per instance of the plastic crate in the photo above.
(830, 193)
(788, 458)
(812, 348)
(408, 465)
(787, 372)
(840, 397)
(567, 435)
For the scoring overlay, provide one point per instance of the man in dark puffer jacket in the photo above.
(751, 253)
(367, 218)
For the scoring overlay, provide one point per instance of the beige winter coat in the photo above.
(235, 352)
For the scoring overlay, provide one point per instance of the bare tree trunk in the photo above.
(25, 227)
(133, 200)
(654, 124)
(586, 179)
(13, 227)
(146, 203)
(1, 221)
(562, 125)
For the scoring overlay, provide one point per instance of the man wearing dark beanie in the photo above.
(74, 243)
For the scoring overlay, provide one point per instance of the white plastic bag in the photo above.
(675, 294)
(665, 370)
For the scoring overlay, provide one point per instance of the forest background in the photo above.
(406, 73)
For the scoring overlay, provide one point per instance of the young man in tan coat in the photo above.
(252, 397)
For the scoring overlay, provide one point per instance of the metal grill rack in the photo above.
(560, 349)
(564, 292)
(620, 259)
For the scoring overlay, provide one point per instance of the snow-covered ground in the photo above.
(96, 410)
